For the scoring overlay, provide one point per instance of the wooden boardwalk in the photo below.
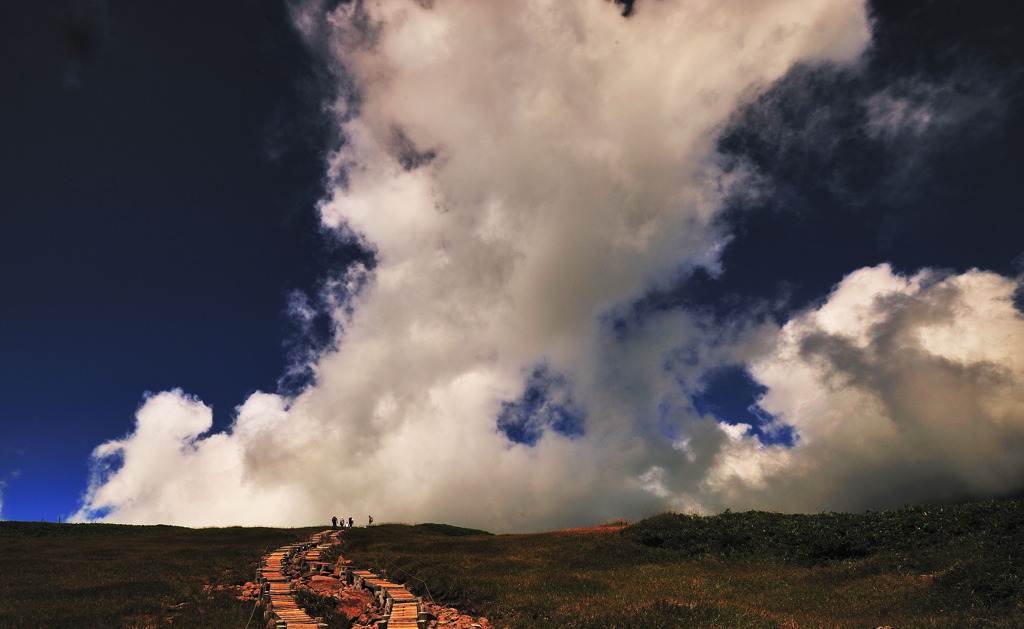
(400, 608)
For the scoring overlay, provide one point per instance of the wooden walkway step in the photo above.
(401, 609)
(278, 601)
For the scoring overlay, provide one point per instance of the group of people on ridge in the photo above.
(335, 520)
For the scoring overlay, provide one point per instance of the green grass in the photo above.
(449, 530)
(105, 575)
(322, 607)
(928, 567)
(951, 567)
(976, 549)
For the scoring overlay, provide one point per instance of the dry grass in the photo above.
(933, 568)
(604, 578)
(89, 575)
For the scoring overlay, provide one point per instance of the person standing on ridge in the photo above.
(371, 521)
(334, 521)
(350, 522)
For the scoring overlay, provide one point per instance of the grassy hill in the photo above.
(954, 566)
(110, 575)
(944, 566)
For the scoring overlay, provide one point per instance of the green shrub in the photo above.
(323, 607)
(450, 531)
(830, 537)
(992, 576)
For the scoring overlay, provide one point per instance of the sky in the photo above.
(518, 266)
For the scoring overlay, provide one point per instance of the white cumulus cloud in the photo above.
(523, 171)
(902, 390)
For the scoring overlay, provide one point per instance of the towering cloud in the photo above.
(523, 172)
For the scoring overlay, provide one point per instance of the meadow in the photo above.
(942, 566)
(110, 575)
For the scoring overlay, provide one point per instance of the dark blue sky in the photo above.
(160, 165)
(160, 168)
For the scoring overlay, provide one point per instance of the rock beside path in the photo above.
(451, 618)
(444, 618)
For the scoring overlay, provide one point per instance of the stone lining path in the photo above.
(279, 573)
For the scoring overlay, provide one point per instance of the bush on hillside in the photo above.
(976, 548)
(450, 530)
(323, 607)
